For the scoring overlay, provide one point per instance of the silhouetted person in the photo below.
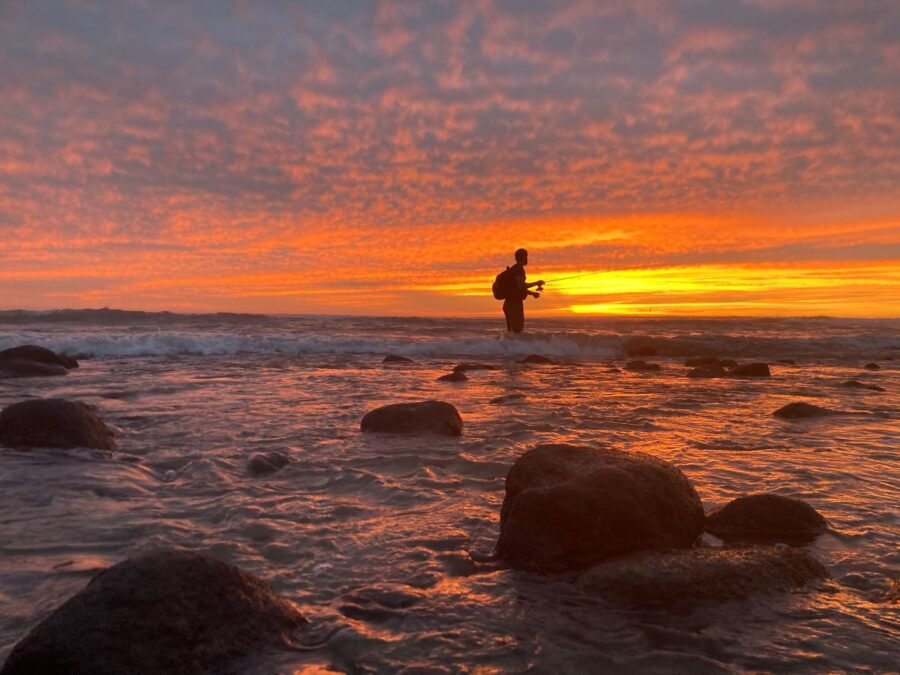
(514, 305)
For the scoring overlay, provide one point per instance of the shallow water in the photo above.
(385, 541)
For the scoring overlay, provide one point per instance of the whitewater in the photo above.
(385, 542)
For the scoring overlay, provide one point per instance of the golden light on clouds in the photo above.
(389, 158)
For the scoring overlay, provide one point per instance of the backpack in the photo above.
(503, 285)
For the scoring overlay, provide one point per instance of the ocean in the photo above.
(357, 516)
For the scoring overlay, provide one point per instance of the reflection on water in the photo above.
(386, 541)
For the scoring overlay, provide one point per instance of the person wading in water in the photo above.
(514, 304)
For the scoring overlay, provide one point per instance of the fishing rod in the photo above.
(617, 269)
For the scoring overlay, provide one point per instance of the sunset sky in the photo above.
(714, 157)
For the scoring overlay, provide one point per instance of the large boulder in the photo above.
(435, 417)
(681, 580)
(454, 376)
(799, 410)
(165, 612)
(766, 517)
(568, 507)
(38, 355)
(750, 370)
(707, 372)
(53, 423)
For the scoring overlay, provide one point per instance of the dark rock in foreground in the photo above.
(799, 410)
(37, 355)
(642, 366)
(856, 384)
(750, 370)
(435, 417)
(263, 463)
(507, 398)
(394, 358)
(681, 580)
(455, 376)
(463, 367)
(165, 612)
(766, 517)
(537, 358)
(568, 507)
(872, 366)
(53, 423)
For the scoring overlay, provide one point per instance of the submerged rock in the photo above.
(263, 463)
(165, 612)
(37, 355)
(435, 417)
(53, 423)
(537, 358)
(872, 366)
(568, 507)
(856, 384)
(750, 370)
(394, 358)
(799, 410)
(766, 517)
(463, 367)
(507, 398)
(642, 366)
(681, 580)
(455, 376)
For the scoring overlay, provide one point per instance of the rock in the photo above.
(568, 507)
(642, 366)
(613, 370)
(750, 370)
(455, 376)
(702, 361)
(463, 367)
(856, 384)
(165, 612)
(263, 463)
(507, 398)
(53, 423)
(393, 358)
(642, 350)
(38, 355)
(708, 371)
(23, 368)
(766, 517)
(537, 358)
(728, 363)
(681, 580)
(797, 410)
(872, 366)
(435, 417)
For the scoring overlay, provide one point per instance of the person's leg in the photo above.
(517, 317)
(506, 313)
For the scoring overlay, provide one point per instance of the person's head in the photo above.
(522, 256)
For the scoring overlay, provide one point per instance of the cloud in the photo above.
(425, 136)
